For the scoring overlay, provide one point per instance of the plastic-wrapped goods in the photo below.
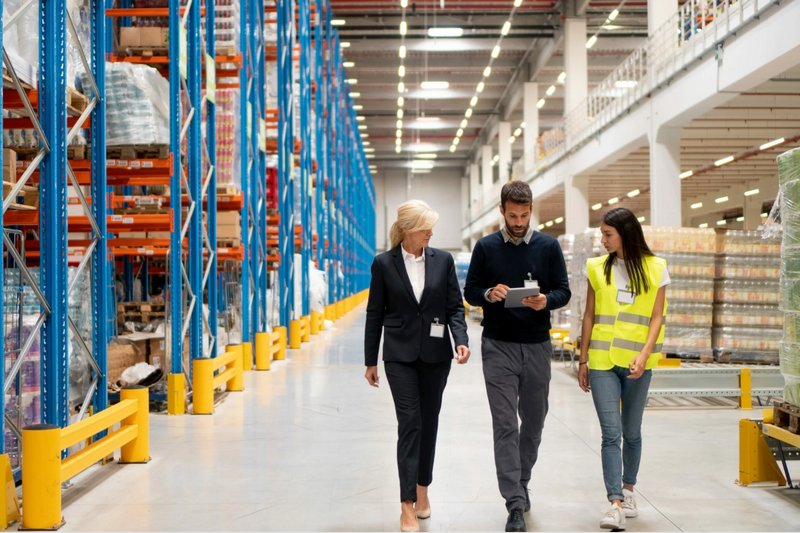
(745, 291)
(689, 265)
(21, 40)
(137, 105)
(688, 342)
(689, 314)
(584, 246)
(758, 266)
(790, 368)
(739, 338)
(789, 179)
(738, 242)
(747, 315)
(686, 240)
(701, 290)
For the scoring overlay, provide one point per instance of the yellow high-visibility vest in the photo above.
(620, 330)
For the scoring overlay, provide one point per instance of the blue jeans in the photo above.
(609, 388)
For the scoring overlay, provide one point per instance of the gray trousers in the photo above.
(517, 381)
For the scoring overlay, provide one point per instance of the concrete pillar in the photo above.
(658, 13)
(531, 118)
(475, 205)
(665, 183)
(576, 86)
(752, 212)
(576, 204)
(486, 174)
(504, 150)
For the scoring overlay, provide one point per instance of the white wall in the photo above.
(442, 190)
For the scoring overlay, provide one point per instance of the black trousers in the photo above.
(417, 391)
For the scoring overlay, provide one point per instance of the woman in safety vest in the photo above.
(624, 327)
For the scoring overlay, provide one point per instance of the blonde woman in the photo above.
(415, 301)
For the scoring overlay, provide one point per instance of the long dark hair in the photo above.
(634, 247)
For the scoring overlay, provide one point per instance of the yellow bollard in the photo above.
(41, 477)
(236, 383)
(9, 513)
(247, 356)
(305, 328)
(137, 450)
(176, 394)
(203, 386)
(322, 321)
(330, 313)
(745, 385)
(281, 355)
(295, 336)
(263, 355)
(315, 322)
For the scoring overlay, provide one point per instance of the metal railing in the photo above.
(695, 29)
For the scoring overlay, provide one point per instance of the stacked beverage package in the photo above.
(689, 253)
(137, 105)
(789, 176)
(584, 246)
(747, 321)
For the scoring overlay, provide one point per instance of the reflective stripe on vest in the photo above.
(633, 319)
(608, 320)
(599, 345)
(629, 345)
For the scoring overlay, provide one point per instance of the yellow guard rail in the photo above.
(205, 382)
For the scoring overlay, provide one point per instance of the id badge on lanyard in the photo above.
(626, 297)
(530, 283)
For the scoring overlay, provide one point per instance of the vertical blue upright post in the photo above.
(175, 279)
(262, 168)
(305, 149)
(330, 154)
(245, 116)
(252, 302)
(53, 210)
(194, 157)
(320, 133)
(101, 259)
(2, 291)
(211, 195)
(286, 156)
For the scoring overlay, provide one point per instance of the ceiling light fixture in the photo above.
(687, 174)
(595, 207)
(397, 149)
(541, 226)
(370, 156)
(434, 85)
(613, 201)
(362, 126)
(399, 113)
(474, 101)
(721, 222)
(464, 123)
(551, 90)
(399, 133)
(401, 71)
(517, 3)
(420, 171)
(426, 156)
(540, 103)
(358, 107)
(518, 132)
(704, 225)
(344, 44)
(511, 139)
(634, 193)
(468, 113)
(369, 149)
(349, 64)
(401, 87)
(403, 51)
(764, 215)
(549, 223)
(721, 200)
(360, 118)
(400, 101)
(428, 119)
(640, 219)
(399, 124)
(723, 161)
(506, 27)
(445, 32)
(559, 220)
(456, 141)
(453, 148)
(403, 28)
(338, 22)
(613, 14)
(496, 51)
(480, 87)
(460, 132)
(354, 95)
(739, 219)
(591, 41)
(751, 193)
(365, 143)
(487, 71)
(770, 144)
(562, 77)
(398, 142)
(698, 205)
(364, 135)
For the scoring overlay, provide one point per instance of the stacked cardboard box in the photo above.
(229, 229)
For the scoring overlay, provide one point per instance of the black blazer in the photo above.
(393, 308)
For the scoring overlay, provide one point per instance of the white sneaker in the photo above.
(614, 518)
(629, 504)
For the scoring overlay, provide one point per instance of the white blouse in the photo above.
(415, 267)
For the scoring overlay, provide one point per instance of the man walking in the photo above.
(516, 346)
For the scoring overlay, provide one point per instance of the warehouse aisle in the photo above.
(310, 447)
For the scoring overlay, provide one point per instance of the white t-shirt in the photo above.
(621, 275)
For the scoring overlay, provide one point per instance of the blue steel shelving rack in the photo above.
(55, 172)
(306, 167)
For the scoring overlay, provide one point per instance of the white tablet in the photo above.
(514, 296)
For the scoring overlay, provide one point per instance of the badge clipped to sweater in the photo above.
(531, 283)
(437, 330)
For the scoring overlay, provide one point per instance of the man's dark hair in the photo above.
(517, 192)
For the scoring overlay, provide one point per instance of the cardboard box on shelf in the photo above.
(155, 37)
(121, 356)
(9, 166)
(129, 37)
(229, 232)
(158, 235)
(132, 235)
(229, 218)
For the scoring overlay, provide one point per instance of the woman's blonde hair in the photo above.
(414, 215)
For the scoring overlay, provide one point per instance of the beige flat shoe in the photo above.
(412, 529)
(423, 514)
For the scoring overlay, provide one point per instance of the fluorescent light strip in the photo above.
(698, 205)
(551, 90)
(338, 22)
(344, 44)
(770, 144)
(474, 101)
(506, 28)
(687, 174)
(540, 103)
(496, 51)
(752, 193)
(721, 200)
(354, 95)
(559, 220)
(403, 28)
(487, 71)
(591, 41)
(480, 87)
(595, 207)
(402, 51)
(640, 219)
(445, 32)
(633, 194)
(613, 201)
(401, 71)
(723, 161)
(562, 77)
(705, 225)
(348, 64)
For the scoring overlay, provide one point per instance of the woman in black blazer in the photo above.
(415, 300)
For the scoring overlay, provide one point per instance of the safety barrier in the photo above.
(269, 346)
(204, 382)
(247, 356)
(317, 322)
(757, 463)
(43, 470)
(299, 332)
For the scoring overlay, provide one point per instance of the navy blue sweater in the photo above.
(496, 262)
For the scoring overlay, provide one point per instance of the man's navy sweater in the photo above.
(494, 262)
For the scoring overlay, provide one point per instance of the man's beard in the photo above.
(517, 233)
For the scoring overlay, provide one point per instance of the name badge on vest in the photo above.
(531, 283)
(437, 330)
(625, 297)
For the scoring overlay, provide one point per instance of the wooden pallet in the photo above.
(226, 51)
(77, 102)
(26, 153)
(786, 416)
(8, 83)
(144, 51)
(227, 190)
(229, 243)
(138, 151)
